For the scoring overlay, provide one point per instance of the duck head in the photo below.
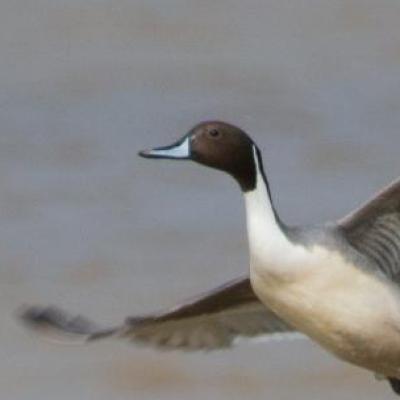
(217, 145)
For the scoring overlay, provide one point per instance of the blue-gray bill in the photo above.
(179, 150)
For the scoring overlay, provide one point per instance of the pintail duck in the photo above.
(338, 284)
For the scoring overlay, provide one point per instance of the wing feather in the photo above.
(210, 321)
(374, 230)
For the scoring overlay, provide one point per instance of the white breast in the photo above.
(346, 310)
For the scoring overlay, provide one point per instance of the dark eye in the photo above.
(214, 133)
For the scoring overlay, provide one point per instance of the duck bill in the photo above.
(177, 151)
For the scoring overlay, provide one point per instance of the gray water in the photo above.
(86, 224)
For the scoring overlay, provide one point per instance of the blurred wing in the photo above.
(211, 321)
(374, 230)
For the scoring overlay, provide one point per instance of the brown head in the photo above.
(217, 145)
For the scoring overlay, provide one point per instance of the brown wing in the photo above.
(210, 321)
(374, 230)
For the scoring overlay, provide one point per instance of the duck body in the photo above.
(345, 309)
(323, 287)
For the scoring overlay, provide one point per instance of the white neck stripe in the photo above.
(258, 169)
(264, 233)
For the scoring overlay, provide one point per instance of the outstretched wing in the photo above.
(210, 321)
(374, 230)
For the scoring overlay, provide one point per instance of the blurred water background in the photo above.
(86, 224)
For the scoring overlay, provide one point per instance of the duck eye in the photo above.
(214, 133)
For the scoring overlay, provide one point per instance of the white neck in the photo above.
(267, 241)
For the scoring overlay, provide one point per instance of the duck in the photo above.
(336, 283)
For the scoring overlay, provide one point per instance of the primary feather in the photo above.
(210, 321)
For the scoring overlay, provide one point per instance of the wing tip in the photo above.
(52, 320)
(36, 316)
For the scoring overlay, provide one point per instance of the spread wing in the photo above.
(210, 321)
(374, 230)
